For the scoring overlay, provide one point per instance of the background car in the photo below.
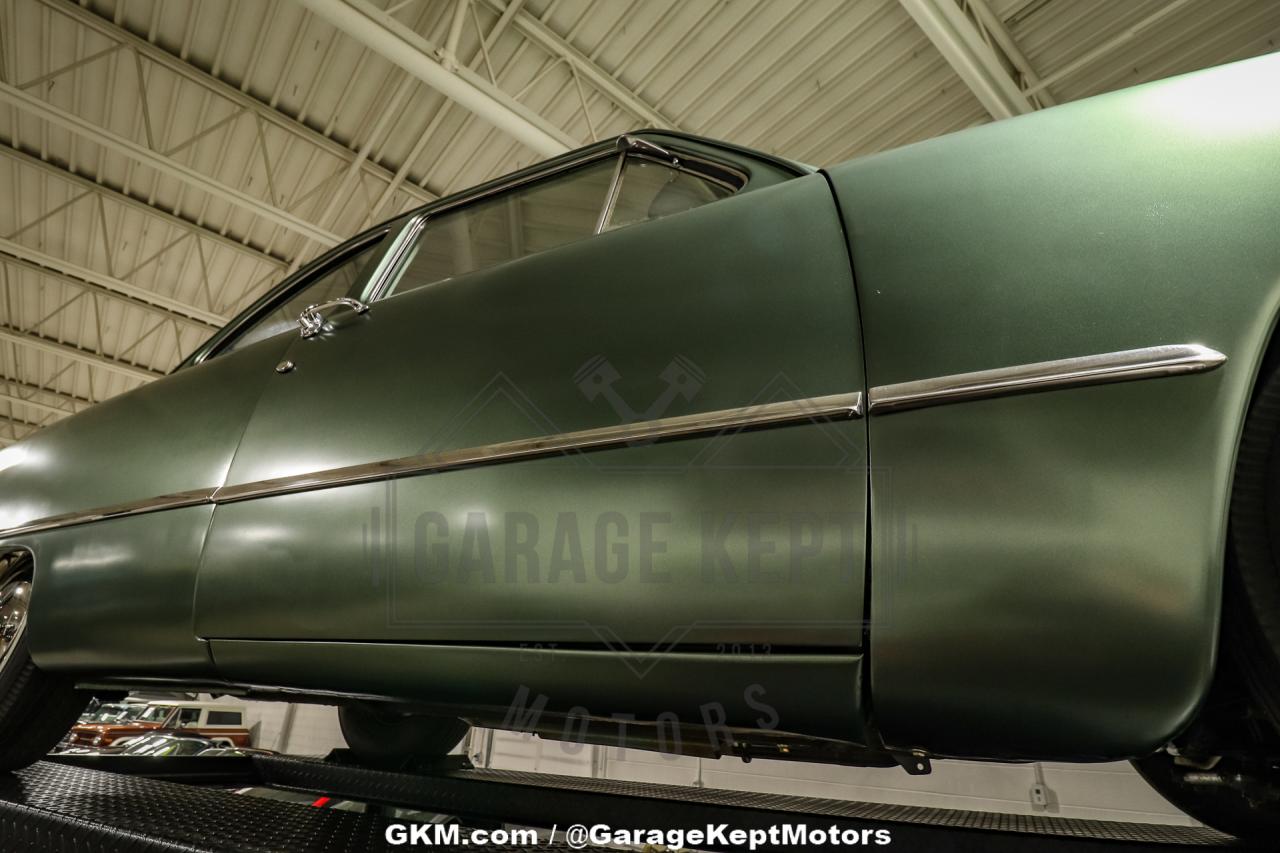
(167, 743)
(159, 742)
(222, 723)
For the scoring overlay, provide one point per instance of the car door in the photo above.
(697, 364)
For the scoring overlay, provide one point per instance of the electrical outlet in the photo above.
(1040, 796)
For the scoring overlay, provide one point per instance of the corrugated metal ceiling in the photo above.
(168, 160)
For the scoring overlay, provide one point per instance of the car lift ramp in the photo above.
(125, 804)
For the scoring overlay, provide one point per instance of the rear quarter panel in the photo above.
(1046, 569)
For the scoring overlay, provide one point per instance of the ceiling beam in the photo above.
(165, 165)
(21, 263)
(84, 277)
(957, 38)
(93, 359)
(994, 27)
(1091, 56)
(399, 44)
(32, 426)
(15, 400)
(222, 89)
(21, 421)
(608, 85)
(17, 386)
(116, 197)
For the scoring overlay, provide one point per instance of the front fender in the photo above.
(115, 595)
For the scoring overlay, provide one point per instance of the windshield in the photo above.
(113, 713)
(106, 713)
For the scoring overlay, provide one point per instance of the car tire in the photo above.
(1251, 611)
(379, 733)
(36, 708)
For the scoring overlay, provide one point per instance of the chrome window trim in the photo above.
(1121, 366)
(389, 271)
(704, 424)
(679, 159)
(611, 195)
(393, 261)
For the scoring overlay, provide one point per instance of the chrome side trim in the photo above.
(195, 497)
(833, 407)
(1145, 363)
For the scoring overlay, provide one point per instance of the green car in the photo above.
(958, 450)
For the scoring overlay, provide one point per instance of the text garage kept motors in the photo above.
(579, 836)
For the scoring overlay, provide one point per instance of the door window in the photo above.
(330, 283)
(557, 210)
(508, 226)
(186, 717)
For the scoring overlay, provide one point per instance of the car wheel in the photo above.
(377, 732)
(36, 708)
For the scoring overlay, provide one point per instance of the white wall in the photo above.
(1095, 791)
(293, 728)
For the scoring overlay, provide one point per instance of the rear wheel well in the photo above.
(13, 556)
(1238, 641)
(1231, 636)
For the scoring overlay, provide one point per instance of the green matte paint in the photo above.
(1047, 568)
(115, 596)
(173, 435)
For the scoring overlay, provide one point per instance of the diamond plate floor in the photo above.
(70, 806)
(49, 807)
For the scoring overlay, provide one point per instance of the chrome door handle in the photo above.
(311, 320)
